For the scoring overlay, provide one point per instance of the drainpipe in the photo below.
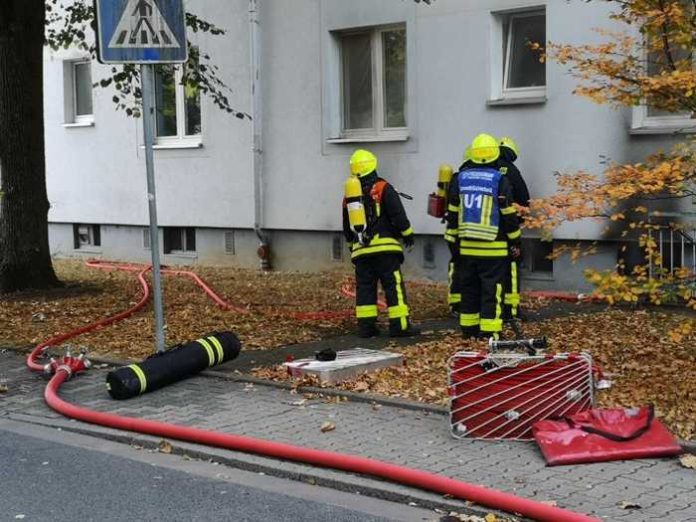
(263, 251)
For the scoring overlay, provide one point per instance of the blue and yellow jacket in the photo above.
(480, 214)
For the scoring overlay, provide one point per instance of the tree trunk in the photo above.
(25, 260)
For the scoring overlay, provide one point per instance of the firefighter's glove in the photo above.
(408, 242)
(515, 252)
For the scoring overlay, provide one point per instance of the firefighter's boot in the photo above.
(409, 331)
(367, 329)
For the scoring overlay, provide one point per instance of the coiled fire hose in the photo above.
(63, 369)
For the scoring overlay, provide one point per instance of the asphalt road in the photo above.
(50, 475)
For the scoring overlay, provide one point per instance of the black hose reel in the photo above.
(175, 364)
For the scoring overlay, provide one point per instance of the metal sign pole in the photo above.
(148, 84)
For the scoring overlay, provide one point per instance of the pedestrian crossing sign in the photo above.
(141, 31)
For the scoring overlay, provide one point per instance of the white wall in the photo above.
(96, 174)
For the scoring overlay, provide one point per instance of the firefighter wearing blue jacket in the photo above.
(482, 218)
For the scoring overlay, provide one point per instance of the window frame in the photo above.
(71, 118)
(643, 123)
(378, 131)
(530, 249)
(94, 234)
(181, 140)
(501, 49)
(183, 231)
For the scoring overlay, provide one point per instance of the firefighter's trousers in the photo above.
(481, 281)
(512, 290)
(385, 268)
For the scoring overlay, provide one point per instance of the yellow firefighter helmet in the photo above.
(362, 163)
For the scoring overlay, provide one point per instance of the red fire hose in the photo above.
(347, 290)
(68, 366)
(53, 341)
(326, 459)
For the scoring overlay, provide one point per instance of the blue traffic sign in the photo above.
(141, 31)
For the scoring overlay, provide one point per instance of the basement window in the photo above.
(536, 256)
(179, 240)
(86, 236)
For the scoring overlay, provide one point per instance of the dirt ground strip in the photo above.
(650, 356)
(270, 299)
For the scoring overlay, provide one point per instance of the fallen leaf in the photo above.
(164, 447)
(627, 504)
(688, 461)
(4, 388)
(327, 426)
(490, 517)
(361, 386)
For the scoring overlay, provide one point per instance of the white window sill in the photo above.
(79, 124)
(177, 144)
(514, 100)
(368, 139)
(88, 250)
(537, 276)
(182, 254)
(688, 127)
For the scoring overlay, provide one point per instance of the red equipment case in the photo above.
(501, 395)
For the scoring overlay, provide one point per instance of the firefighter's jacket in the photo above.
(480, 215)
(520, 192)
(387, 222)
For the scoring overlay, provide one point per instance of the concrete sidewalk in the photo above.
(663, 489)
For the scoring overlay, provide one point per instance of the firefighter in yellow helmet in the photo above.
(454, 294)
(376, 246)
(485, 223)
(509, 152)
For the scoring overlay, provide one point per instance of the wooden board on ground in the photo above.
(349, 364)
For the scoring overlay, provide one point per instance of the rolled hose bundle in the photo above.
(176, 364)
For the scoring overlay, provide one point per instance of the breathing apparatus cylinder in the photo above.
(437, 200)
(356, 208)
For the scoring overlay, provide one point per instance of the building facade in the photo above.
(411, 82)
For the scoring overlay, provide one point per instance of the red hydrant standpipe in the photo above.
(68, 366)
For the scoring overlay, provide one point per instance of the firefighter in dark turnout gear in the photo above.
(520, 195)
(485, 224)
(378, 257)
(454, 294)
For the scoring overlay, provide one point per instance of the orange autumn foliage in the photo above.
(651, 62)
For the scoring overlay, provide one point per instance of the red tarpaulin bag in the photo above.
(604, 434)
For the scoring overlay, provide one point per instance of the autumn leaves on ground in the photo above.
(650, 355)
